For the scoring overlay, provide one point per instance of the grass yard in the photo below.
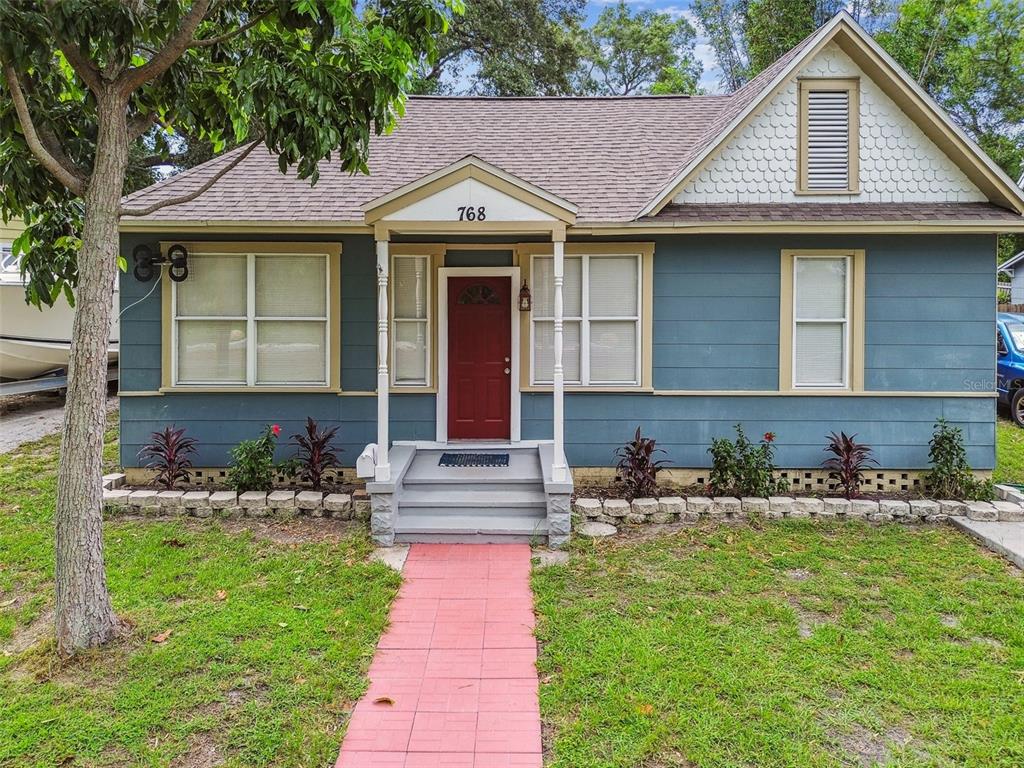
(270, 635)
(1009, 452)
(796, 645)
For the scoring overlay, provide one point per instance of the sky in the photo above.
(675, 8)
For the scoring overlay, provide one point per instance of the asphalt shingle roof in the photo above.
(606, 155)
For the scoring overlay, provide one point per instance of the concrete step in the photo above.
(460, 497)
(523, 469)
(469, 526)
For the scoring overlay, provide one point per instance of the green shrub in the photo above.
(743, 469)
(252, 462)
(950, 476)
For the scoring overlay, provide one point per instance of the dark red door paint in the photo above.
(479, 358)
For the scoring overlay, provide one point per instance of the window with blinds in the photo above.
(601, 329)
(829, 136)
(410, 320)
(821, 314)
(252, 320)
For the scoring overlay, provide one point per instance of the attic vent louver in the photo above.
(828, 140)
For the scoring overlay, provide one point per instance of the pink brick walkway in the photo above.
(454, 680)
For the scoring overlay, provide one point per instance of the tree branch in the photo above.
(141, 123)
(190, 196)
(58, 170)
(79, 62)
(207, 42)
(166, 56)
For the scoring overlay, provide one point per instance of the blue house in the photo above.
(536, 277)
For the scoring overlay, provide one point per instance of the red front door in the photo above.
(479, 357)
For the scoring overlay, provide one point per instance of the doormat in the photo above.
(473, 460)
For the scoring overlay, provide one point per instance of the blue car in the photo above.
(1010, 363)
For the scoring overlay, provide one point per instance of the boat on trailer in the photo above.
(35, 342)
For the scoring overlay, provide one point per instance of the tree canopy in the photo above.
(628, 53)
(308, 80)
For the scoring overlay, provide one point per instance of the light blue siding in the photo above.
(221, 421)
(928, 327)
(898, 428)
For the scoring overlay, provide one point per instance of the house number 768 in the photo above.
(469, 213)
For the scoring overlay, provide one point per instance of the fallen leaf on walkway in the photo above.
(162, 637)
(384, 700)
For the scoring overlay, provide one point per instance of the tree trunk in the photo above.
(84, 615)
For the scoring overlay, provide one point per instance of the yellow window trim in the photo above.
(524, 251)
(331, 250)
(852, 87)
(855, 363)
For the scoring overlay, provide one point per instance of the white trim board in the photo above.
(443, 273)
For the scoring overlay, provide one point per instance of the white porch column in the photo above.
(559, 472)
(383, 468)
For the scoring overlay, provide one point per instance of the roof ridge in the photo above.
(610, 97)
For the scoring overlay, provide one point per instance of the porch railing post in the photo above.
(558, 468)
(383, 467)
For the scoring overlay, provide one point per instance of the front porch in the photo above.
(427, 500)
(458, 332)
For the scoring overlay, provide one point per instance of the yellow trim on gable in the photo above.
(885, 73)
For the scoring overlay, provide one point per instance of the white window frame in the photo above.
(427, 321)
(845, 321)
(251, 325)
(585, 319)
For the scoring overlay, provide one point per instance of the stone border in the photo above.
(278, 504)
(676, 509)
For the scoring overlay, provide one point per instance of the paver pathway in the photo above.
(454, 679)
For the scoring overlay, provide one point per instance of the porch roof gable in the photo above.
(469, 183)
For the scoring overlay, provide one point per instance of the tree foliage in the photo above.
(507, 48)
(310, 80)
(628, 53)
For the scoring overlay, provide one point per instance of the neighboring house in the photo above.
(811, 253)
(1013, 267)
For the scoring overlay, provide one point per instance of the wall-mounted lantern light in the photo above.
(525, 300)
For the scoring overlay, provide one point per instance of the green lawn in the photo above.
(796, 645)
(268, 646)
(1009, 452)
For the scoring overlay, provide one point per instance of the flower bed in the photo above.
(692, 509)
(277, 503)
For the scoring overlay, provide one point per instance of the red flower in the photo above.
(276, 429)
(769, 437)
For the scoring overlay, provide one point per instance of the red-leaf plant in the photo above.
(315, 454)
(848, 463)
(637, 468)
(169, 454)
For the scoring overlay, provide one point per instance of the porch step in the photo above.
(416, 527)
(523, 468)
(457, 500)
